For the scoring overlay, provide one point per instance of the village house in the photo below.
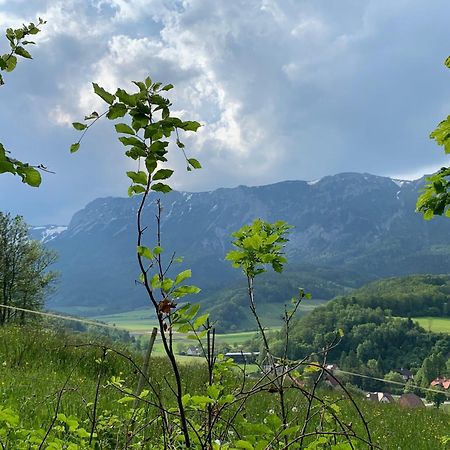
(405, 373)
(380, 397)
(243, 357)
(193, 351)
(441, 382)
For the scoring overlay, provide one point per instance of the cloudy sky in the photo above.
(285, 89)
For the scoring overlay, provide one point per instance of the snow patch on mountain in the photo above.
(47, 233)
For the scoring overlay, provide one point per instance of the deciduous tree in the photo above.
(24, 275)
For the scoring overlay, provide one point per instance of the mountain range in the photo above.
(349, 229)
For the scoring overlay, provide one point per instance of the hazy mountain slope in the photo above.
(356, 223)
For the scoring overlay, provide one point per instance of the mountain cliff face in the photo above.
(353, 223)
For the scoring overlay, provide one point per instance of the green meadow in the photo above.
(434, 324)
(35, 364)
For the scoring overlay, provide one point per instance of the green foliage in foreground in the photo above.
(18, 39)
(36, 363)
(435, 199)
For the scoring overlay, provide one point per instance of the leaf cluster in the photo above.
(146, 135)
(435, 198)
(258, 245)
(17, 39)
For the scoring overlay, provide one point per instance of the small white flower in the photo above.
(294, 409)
(271, 411)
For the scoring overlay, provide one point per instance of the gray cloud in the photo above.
(285, 89)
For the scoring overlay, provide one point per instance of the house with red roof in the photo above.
(441, 382)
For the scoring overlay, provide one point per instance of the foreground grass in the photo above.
(35, 365)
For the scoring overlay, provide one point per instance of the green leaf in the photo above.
(213, 391)
(428, 214)
(117, 110)
(190, 125)
(93, 115)
(79, 126)
(194, 163)
(7, 166)
(144, 251)
(30, 176)
(124, 128)
(74, 147)
(158, 250)
(140, 85)
(135, 153)
(132, 141)
(159, 147)
(167, 87)
(243, 444)
(183, 276)
(192, 311)
(202, 400)
(152, 130)
(104, 95)
(148, 82)
(155, 282)
(139, 121)
(22, 52)
(442, 134)
(136, 189)
(126, 399)
(10, 61)
(186, 399)
(185, 290)
(167, 284)
(125, 97)
(19, 33)
(160, 187)
(200, 321)
(162, 174)
(150, 164)
(138, 177)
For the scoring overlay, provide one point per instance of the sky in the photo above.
(284, 90)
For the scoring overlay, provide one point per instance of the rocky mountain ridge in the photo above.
(351, 222)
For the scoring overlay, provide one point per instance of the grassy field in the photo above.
(143, 320)
(137, 321)
(434, 324)
(236, 340)
(35, 364)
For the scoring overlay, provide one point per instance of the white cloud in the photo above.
(60, 117)
(70, 18)
(285, 89)
(418, 172)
